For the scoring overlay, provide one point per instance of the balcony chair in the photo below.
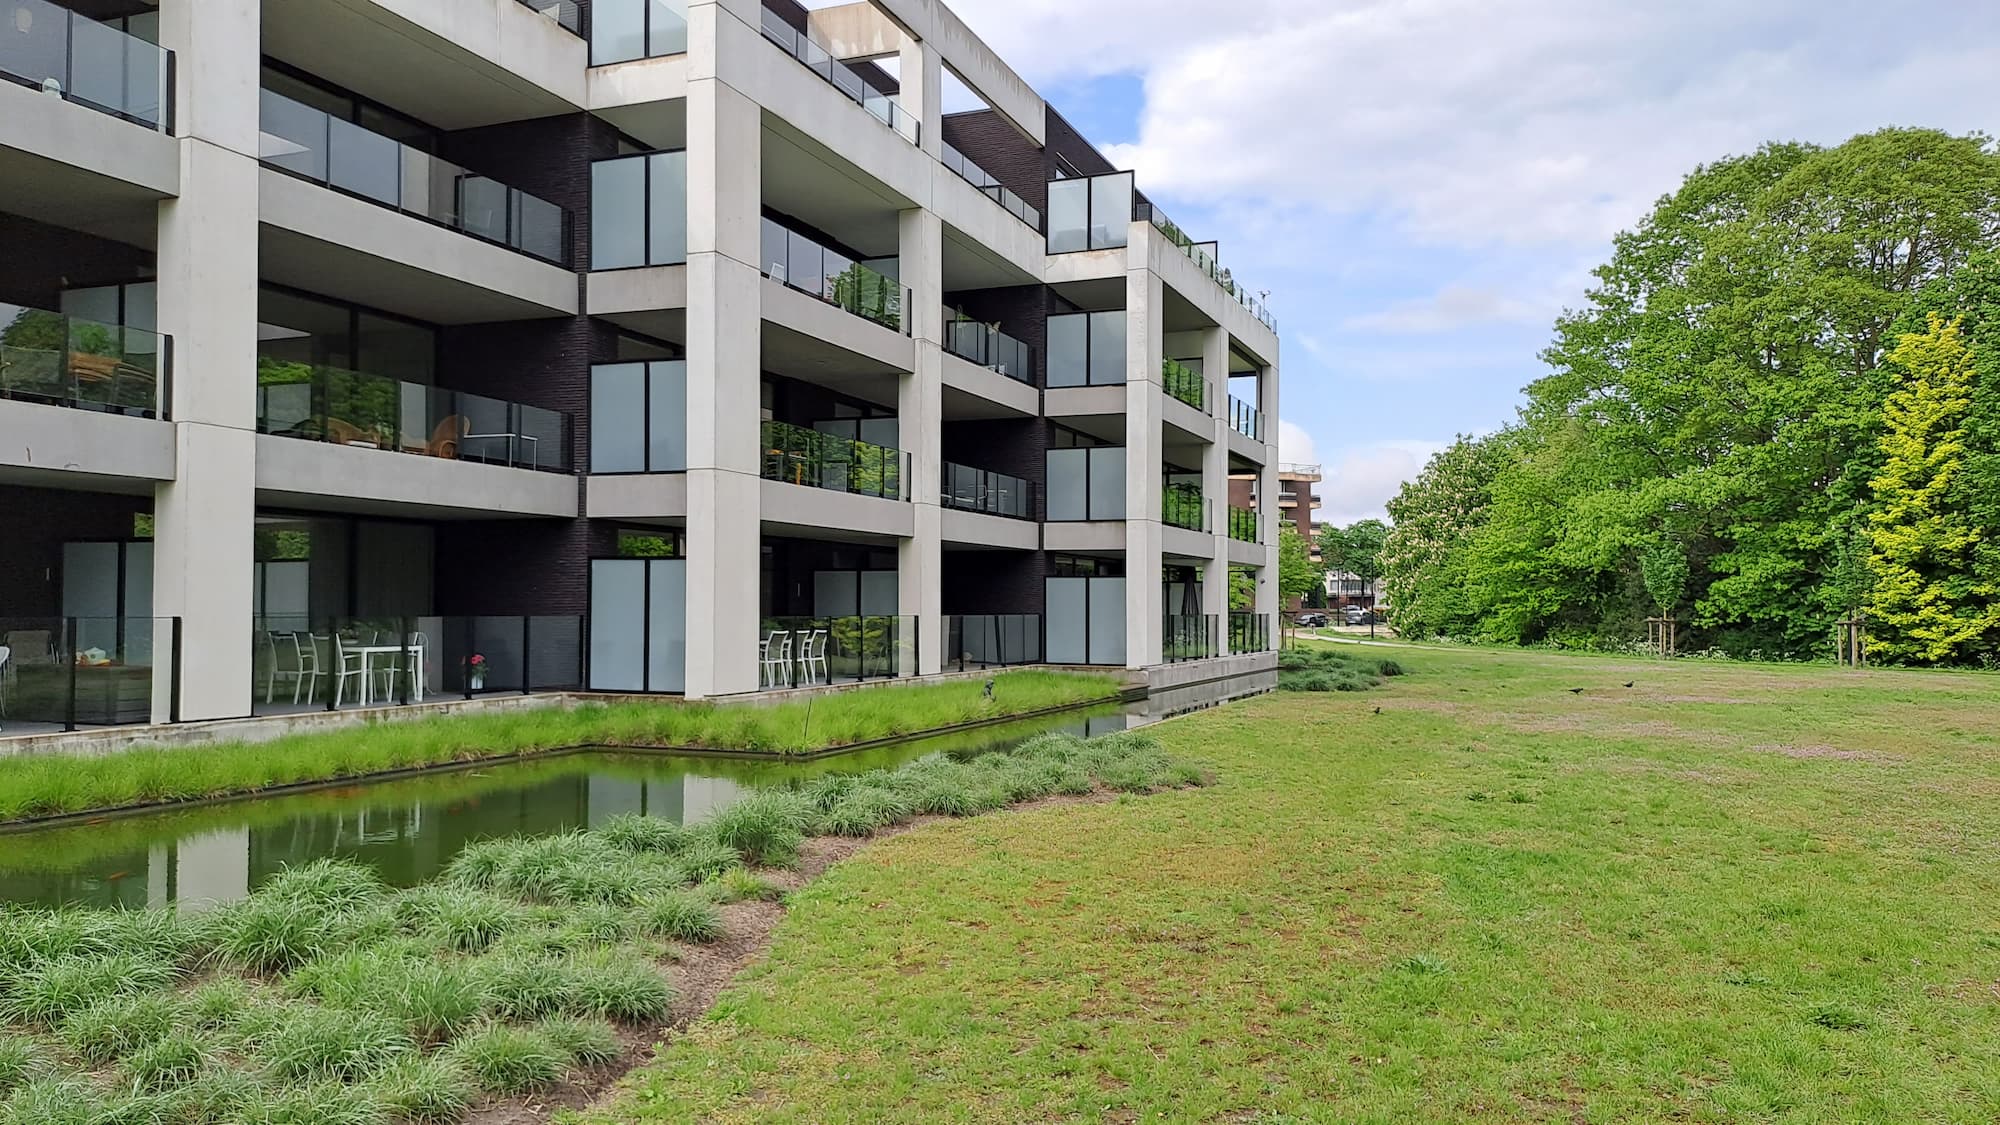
(303, 674)
(347, 665)
(774, 661)
(812, 655)
(445, 439)
(31, 646)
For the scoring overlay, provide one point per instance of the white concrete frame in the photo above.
(207, 466)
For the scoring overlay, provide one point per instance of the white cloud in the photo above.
(1296, 445)
(1360, 483)
(1449, 309)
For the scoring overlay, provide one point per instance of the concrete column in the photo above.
(207, 264)
(724, 375)
(920, 70)
(1215, 482)
(1145, 302)
(1268, 512)
(920, 421)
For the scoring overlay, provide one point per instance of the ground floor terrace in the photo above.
(355, 606)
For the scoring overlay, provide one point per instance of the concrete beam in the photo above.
(54, 443)
(375, 478)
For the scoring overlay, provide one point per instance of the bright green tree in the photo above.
(1926, 606)
(1297, 573)
(1663, 566)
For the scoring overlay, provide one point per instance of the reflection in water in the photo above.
(409, 829)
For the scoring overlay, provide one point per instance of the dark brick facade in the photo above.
(548, 157)
(991, 141)
(518, 566)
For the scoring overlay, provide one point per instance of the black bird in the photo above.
(1576, 691)
(1629, 683)
(1378, 710)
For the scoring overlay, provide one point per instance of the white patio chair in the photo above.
(278, 646)
(6, 676)
(347, 665)
(812, 658)
(776, 660)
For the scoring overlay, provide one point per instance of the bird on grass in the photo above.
(1378, 710)
(1629, 683)
(1576, 691)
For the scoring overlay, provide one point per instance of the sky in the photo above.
(1424, 185)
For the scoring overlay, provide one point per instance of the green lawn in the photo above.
(1726, 893)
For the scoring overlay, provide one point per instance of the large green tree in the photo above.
(1927, 606)
(1721, 388)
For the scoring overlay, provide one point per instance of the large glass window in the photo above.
(623, 30)
(1086, 484)
(1091, 214)
(1087, 349)
(638, 211)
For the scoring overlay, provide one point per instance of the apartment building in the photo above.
(357, 352)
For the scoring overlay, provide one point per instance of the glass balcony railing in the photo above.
(992, 640)
(57, 360)
(623, 30)
(1184, 506)
(71, 672)
(801, 456)
(1202, 254)
(987, 346)
(1245, 419)
(1184, 383)
(994, 494)
(566, 14)
(301, 662)
(1249, 632)
(1093, 213)
(341, 155)
(803, 651)
(988, 186)
(840, 76)
(807, 266)
(1189, 636)
(1243, 524)
(331, 404)
(47, 47)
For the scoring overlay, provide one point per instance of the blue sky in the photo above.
(1424, 184)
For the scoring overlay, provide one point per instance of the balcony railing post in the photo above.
(527, 649)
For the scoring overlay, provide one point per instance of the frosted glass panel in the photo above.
(1107, 348)
(667, 451)
(836, 593)
(878, 593)
(1110, 210)
(667, 208)
(1067, 608)
(1069, 216)
(1069, 350)
(666, 656)
(1107, 484)
(618, 418)
(618, 625)
(1068, 477)
(1107, 621)
(617, 214)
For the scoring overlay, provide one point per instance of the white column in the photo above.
(1145, 301)
(920, 421)
(724, 353)
(1268, 512)
(1215, 482)
(920, 71)
(207, 262)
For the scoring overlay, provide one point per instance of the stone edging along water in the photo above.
(59, 820)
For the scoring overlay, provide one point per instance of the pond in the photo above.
(408, 829)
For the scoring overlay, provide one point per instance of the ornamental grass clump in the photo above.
(584, 1042)
(118, 1025)
(765, 828)
(617, 984)
(434, 1089)
(459, 919)
(638, 833)
(315, 1044)
(47, 993)
(19, 1063)
(508, 1060)
(171, 1061)
(680, 916)
(54, 1100)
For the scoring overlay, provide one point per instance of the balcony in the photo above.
(50, 48)
(795, 652)
(808, 267)
(1183, 506)
(624, 30)
(1243, 524)
(840, 76)
(1249, 632)
(325, 150)
(989, 187)
(329, 404)
(1184, 383)
(811, 459)
(994, 494)
(992, 640)
(566, 14)
(64, 673)
(1189, 636)
(57, 360)
(1245, 419)
(987, 346)
(1202, 254)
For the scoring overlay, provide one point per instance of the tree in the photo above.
(1664, 568)
(1297, 573)
(1927, 606)
(1434, 517)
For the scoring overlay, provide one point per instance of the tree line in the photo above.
(1778, 408)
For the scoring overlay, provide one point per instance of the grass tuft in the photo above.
(48, 993)
(317, 1103)
(171, 1061)
(432, 1089)
(457, 918)
(118, 1025)
(680, 916)
(617, 984)
(508, 1060)
(313, 1044)
(585, 1042)
(20, 1062)
(54, 1100)
(638, 833)
(766, 827)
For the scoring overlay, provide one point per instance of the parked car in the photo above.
(1356, 615)
(1312, 620)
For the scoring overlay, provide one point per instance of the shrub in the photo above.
(1388, 668)
(172, 1060)
(616, 984)
(425, 1089)
(706, 858)
(638, 833)
(313, 1043)
(432, 998)
(215, 1094)
(318, 1103)
(329, 883)
(765, 828)
(740, 884)
(585, 1042)
(681, 916)
(508, 1060)
(118, 1025)
(523, 987)
(457, 918)
(47, 993)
